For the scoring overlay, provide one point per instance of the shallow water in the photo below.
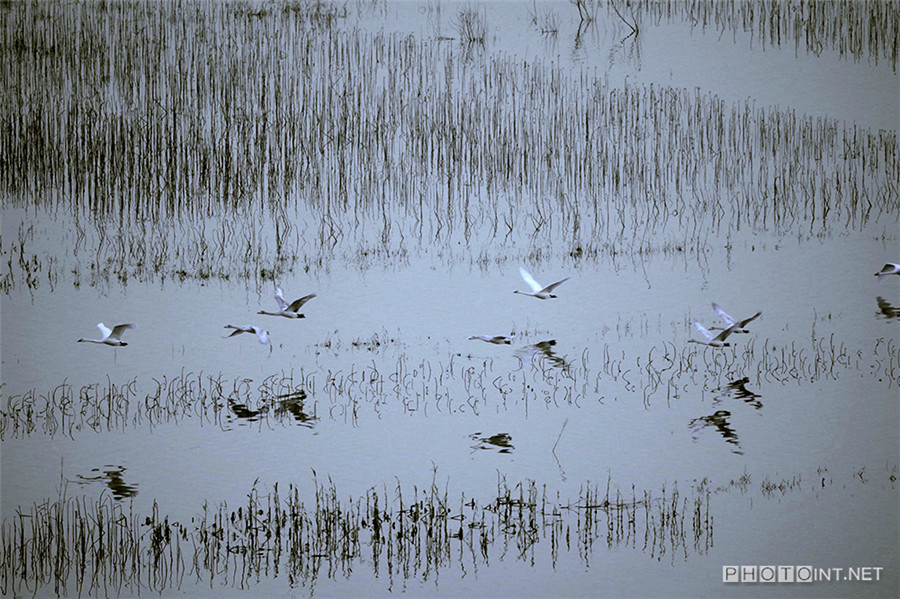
(653, 461)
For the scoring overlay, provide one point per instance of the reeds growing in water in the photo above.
(77, 545)
(306, 533)
(288, 139)
(397, 382)
(855, 30)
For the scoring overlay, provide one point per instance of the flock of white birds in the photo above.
(113, 337)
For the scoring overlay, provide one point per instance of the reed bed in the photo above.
(287, 140)
(308, 533)
(534, 378)
(862, 31)
(85, 546)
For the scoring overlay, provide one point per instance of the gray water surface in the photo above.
(779, 450)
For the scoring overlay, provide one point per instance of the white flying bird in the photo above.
(110, 337)
(712, 340)
(262, 335)
(496, 339)
(285, 309)
(739, 325)
(536, 289)
(889, 269)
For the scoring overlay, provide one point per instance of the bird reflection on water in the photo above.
(720, 421)
(502, 442)
(242, 412)
(292, 403)
(113, 477)
(289, 404)
(739, 389)
(540, 353)
(886, 309)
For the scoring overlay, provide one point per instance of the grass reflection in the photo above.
(304, 534)
(454, 385)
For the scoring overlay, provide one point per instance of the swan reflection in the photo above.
(719, 421)
(502, 442)
(540, 353)
(886, 309)
(112, 477)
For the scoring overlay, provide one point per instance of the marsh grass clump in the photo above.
(544, 20)
(319, 13)
(471, 25)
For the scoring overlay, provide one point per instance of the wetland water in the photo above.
(169, 165)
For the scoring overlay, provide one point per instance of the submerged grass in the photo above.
(223, 140)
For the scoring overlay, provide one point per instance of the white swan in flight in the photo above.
(738, 325)
(285, 309)
(495, 339)
(536, 289)
(110, 337)
(889, 269)
(261, 334)
(713, 340)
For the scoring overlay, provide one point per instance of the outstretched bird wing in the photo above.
(723, 315)
(704, 332)
(119, 329)
(298, 303)
(279, 297)
(553, 286)
(526, 276)
(747, 321)
(724, 334)
(261, 335)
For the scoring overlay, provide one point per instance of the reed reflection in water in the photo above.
(390, 534)
(533, 375)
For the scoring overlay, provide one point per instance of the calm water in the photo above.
(652, 461)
